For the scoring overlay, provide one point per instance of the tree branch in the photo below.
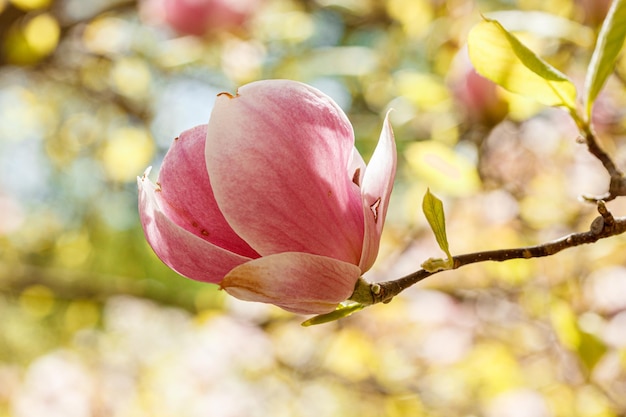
(602, 227)
(617, 185)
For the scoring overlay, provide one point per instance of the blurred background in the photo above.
(91, 322)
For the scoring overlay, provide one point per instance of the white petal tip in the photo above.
(140, 180)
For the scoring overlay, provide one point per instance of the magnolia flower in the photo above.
(199, 17)
(271, 200)
(477, 95)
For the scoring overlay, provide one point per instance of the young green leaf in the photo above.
(501, 57)
(341, 312)
(609, 43)
(433, 210)
(437, 264)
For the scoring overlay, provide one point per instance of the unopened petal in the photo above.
(297, 282)
(181, 250)
(278, 154)
(186, 188)
(376, 189)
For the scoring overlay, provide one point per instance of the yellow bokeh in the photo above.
(357, 7)
(590, 402)
(106, 36)
(127, 153)
(563, 320)
(444, 129)
(425, 91)
(404, 405)
(73, 249)
(545, 193)
(492, 369)
(561, 399)
(180, 51)
(557, 7)
(292, 26)
(30, 4)
(131, 78)
(414, 15)
(351, 355)
(28, 41)
(94, 73)
(37, 300)
(81, 314)
(514, 272)
(442, 168)
(42, 34)
(208, 299)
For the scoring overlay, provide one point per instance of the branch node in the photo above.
(597, 225)
(607, 216)
(617, 185)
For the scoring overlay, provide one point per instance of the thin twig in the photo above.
(602, 227)
(617, 185)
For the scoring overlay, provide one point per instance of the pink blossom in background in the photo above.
(271, 200)
(199, 17)
(593, 11)
(477, 95)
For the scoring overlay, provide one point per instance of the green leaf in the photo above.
(545, 25)
(501, 57)
(433, 210)
(609, 44)
(342, 311)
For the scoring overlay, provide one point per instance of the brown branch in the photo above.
(598, 152)
(602, 227)
(617, 184)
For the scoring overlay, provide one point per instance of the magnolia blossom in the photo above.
(477, 95)
(199, 17)
(271, 200)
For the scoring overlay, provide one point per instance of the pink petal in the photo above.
(295, 281)
(184, 252)
(185, 187)
(376, 189)
(278, 155)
